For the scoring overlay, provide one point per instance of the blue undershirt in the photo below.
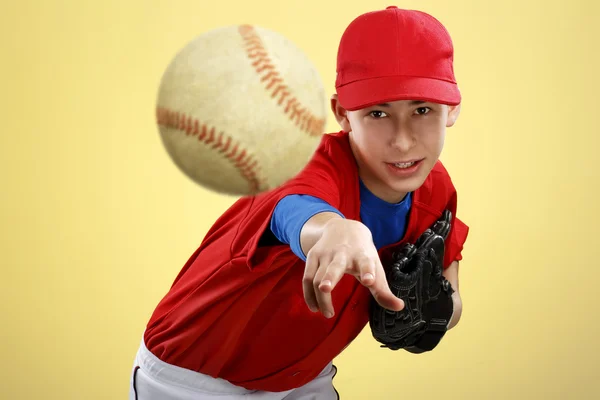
(386, 221)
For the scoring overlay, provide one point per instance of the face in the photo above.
(396, 144)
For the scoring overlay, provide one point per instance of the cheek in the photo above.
(370, 145)
(433, 138)
(365, 135)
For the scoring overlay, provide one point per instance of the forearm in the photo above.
(451, 274)
(313, 229)
(297, 212)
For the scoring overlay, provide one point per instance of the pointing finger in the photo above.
(382, 293)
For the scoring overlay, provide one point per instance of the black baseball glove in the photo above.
(416, 277)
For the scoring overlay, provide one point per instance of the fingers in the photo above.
(380, 290)
(334, 272)
(324, 271)
(310, 270)
(366, 270)
(325, 280)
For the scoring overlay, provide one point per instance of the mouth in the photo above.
(405, 167)
(405, 164)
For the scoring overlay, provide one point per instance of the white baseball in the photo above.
(241, 109)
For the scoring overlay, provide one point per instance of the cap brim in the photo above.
(369, 92)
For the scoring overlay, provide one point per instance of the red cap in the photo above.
(395, 54)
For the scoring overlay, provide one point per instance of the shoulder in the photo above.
(333, 149)
(436, 195)
(440, 174)
(438, 185)
(327, 175)
(331, 170)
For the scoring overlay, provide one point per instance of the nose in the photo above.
(403, 140)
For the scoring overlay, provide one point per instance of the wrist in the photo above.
(315, 227)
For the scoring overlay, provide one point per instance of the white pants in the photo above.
(153, 379)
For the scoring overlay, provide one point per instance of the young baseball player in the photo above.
(282, 282)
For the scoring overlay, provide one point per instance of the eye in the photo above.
(377, 114)
(423, 110)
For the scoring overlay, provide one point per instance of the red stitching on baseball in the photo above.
(224, 144)
(259, 56)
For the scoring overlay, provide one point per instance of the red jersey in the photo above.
(237, 311)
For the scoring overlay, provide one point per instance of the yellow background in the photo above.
(97, 221)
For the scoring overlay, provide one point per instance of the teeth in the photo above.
(404, 165)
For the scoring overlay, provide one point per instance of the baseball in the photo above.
(241, 109)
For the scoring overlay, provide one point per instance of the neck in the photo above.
(381, 191)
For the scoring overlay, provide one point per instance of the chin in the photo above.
(407, 185)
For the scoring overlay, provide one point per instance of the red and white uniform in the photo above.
(236, 311)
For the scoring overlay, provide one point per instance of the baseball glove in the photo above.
(416, 277)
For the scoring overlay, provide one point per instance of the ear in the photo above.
(453, 113)
(341, 115)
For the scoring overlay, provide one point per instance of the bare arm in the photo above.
(313, 229)
(451, 273)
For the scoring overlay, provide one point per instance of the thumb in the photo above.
(382, 293)
(386, 299)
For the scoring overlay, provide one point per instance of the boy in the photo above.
(282, 282)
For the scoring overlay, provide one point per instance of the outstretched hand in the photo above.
(346, 247)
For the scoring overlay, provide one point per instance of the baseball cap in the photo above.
(395, 54)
